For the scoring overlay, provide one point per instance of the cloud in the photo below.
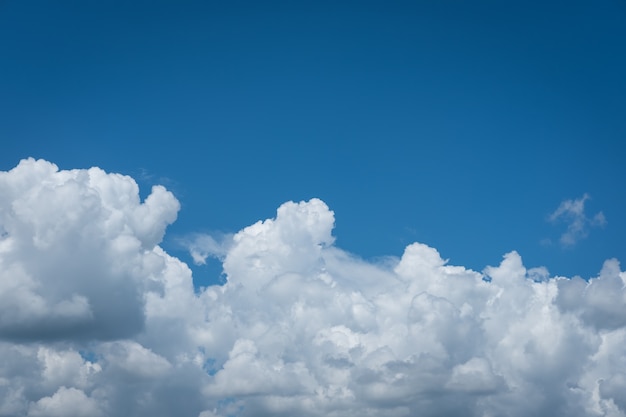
(97, 319)
(201, 246)
(78, 253)
(66, 402)
(572, 212)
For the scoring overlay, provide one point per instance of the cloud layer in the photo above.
(96, 319)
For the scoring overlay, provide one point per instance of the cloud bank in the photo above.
(96, 319)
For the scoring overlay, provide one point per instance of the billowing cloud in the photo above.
(572, 212)
(78, 252)
(97, 319)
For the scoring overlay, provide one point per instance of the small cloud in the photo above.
(572, 212)
(598, 220)
(202, 246)
(546, 241)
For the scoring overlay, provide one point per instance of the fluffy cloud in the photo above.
(78, 252)
(96, 319)
(66, 402)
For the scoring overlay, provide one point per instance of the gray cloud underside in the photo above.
(97, 320)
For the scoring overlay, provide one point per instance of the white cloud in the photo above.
(78, 252)
(65, 368)
(572, 212)
(202, 246)
(133, 360)
(66, 402)
(97, 319)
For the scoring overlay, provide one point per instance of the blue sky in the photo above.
(325, 159)
(462, 125)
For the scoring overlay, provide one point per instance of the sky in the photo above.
(312, 208)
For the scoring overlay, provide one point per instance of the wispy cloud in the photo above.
(203, 246)
(572, 212)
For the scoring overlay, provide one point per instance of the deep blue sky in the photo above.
(462, 125)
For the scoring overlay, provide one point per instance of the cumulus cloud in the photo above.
(572, 212)
(78, 252)
(97, 319)
(66, 402)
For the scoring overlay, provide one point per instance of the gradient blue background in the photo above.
(458, 124)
